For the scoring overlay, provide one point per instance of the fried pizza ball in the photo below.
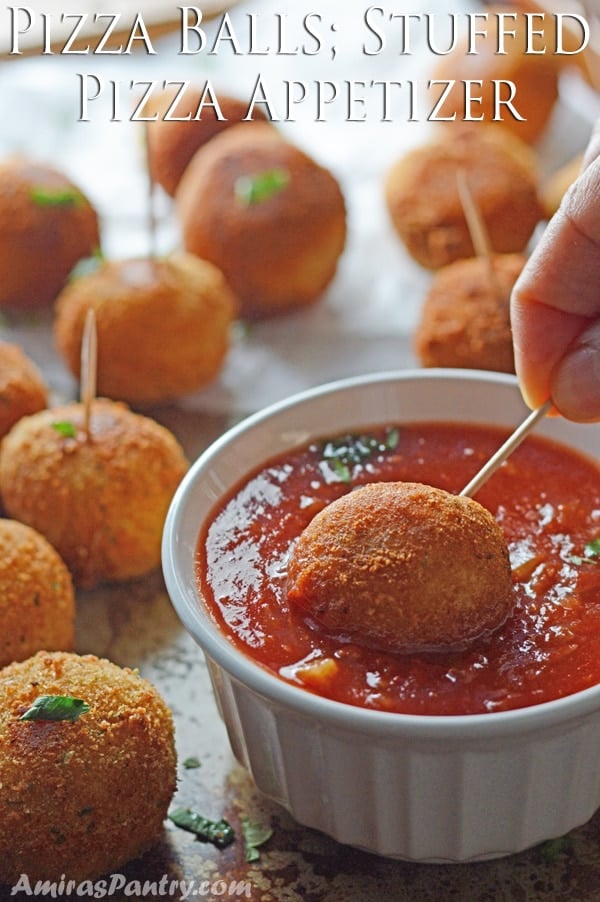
(267, 215)
(47, 225)
(465, 320)
(173, 139)
(37, 605)
(529, 77)
(99, 498)
(163, 325)
(403, 567)
(81, 797)
(22, 386)
(424, 203)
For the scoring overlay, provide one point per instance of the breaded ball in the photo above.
(425, 206)
(267, 215)
(37, 604)
(22, 386)
(81, 798)
(465, 319)
(163, 325)
(403, 567)
(100, 499)
(535, 76)
(173, 141)
(47, 225)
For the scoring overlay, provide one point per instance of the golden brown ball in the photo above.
(265, 213)
(172, 142)
(403, 567)
(425, 206)
(99, 498)
(163, 325)
(37, 604)
(47, 225)
(534, 75)
(83, 797)
(465, 319)
(23, 389)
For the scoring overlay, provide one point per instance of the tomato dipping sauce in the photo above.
(546, 499)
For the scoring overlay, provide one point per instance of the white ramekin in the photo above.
(425, 788)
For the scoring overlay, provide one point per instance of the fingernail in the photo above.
(576, 382)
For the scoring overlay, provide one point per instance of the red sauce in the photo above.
(545, 497)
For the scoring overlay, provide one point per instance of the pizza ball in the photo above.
(267, 215)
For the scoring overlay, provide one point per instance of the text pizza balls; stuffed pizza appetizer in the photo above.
(403, 567)
(100, 497)
(87, 767)
(47, 225)
(425, 206)
(163, 325)
(271, 218)
(37, 603)
(519, 85)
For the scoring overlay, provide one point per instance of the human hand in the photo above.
(555, 304)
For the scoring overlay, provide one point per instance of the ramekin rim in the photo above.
(257, 678)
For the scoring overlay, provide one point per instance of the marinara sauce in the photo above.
(546, 499)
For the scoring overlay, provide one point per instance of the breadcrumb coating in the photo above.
(163, 325)
(279, 252)
(424, 203)
(47, 225)
(81, 798)
(22, 386)
(37, 603)
(403, 567)
(100, 500)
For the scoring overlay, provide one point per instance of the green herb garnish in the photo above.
(87, 265)
(554, 847)
(342, 454)
(66, 428)
(255, 189)
(591, 554)
(219, 833)
(191, 763)
(56, 707)
(56, 197)
(255, 835)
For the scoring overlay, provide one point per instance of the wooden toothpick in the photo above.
(89, 368)
(477, 228)
(511, 443)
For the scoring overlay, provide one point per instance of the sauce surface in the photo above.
(545, 497)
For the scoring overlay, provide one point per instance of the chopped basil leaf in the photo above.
(66, 428)
(87, 265)
(552, 848)
(342, 454)
(255, 835)
(255, 189)
(219, 833)
(55, 197)
(56, 707)
(191, 763)
(591, 554)
(592, 549)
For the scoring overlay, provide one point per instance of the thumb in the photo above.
(575, 382)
